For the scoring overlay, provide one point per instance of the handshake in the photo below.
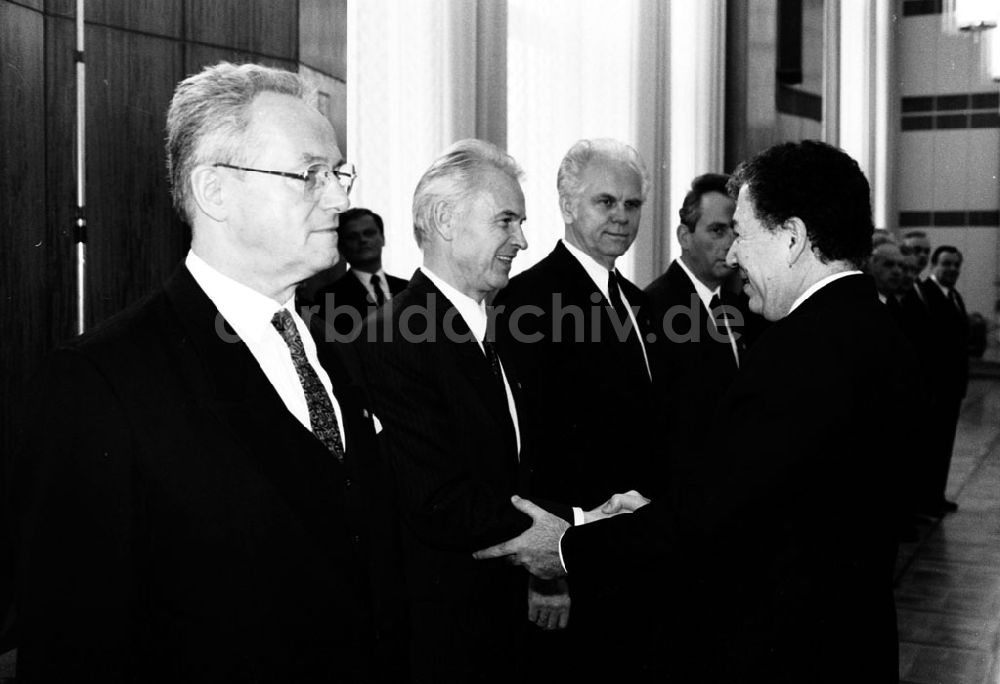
(629, 502)
(537, 548)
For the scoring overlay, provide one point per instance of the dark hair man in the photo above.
(947, 365)
(195, 498)
(365, 287)
(803, 438)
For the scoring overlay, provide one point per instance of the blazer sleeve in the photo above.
(447, 498)
(76, 519)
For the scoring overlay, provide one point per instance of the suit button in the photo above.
(347, 482)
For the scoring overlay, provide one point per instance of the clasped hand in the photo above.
(537, 548)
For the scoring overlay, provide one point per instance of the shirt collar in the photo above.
(365, 277)
(596, 271)
(818, 285)
(246, 310)
(943, 288)
(704, 294)
(471, 311)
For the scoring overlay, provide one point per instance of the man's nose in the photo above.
(334, 197)
(731, 259)
(518, 239)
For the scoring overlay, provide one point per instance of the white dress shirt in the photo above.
(599, 275)
(366, 281)
(474, 315)
(249, 313)
(705, 295)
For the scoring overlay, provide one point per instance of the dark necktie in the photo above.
(490, 349)
(377, 289)
(321, 414)
(953, 296)
(721, 318)
(633, 343)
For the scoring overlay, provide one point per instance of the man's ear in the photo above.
(567, 205)
(683, 236)
(444, 220)
(798, 239)
(208, 193)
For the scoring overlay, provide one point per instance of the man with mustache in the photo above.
(796, 497)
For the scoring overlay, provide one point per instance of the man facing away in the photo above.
(195, 497)
(793, 498)
(366, 286)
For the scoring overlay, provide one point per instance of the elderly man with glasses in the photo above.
(195, 496)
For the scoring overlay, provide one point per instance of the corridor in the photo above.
(948, 583)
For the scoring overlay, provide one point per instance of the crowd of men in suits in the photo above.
(213, 490)
(931, 313)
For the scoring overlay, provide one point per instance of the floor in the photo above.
(948, 583)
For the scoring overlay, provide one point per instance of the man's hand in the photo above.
(629, 502)
(548, 603)
(537, 548)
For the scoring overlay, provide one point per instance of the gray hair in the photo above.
(453, 177)
(583, 152)
(208, 120)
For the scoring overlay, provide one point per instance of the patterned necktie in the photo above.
(633, 343)
(721, 318)
(377, 289)
(322, 417)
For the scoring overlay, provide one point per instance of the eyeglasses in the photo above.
(316, 177)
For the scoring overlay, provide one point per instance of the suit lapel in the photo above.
(580, 290)
(231, 388)
(469, 358)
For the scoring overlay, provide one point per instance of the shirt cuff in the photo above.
(578, 518)
(562, 561)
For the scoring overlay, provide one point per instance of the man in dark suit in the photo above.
(808, 540)
(348, 301)
(947, 366)
(195, 498)
(575, 330)
(452, 426)
(701, 324)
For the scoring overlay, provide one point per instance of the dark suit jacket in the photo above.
(349, 294)
(451, 444)
(948, 343)
(594, 405)
(697, 364)
(795, 500)
(177, 523)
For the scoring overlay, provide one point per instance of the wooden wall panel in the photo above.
(323, 36)
(134, 237)
(23, 244)
(264, 27)
(23, 310)
(159, 17)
